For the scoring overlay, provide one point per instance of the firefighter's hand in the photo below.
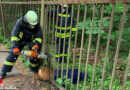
(34, 54)
(16, 51)
(35, 47)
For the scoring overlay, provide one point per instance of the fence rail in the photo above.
(66, 2)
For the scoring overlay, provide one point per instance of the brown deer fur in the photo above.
(43, 74)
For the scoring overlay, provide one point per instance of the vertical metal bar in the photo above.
(18, 11)
(46, 28)
(15, 6)
(56, 37)
(45, 32)
(21, 13)
(118, 43)
(107, 47)
(53, 27)
(126, 72)
(81, 48)
(69, 45)
(59, 40)
(64, 42)
(42, 22)
(89, 44)
(49, 31)
(2, 18)
(49, 38)
(39, 14)
(33, 7)
(23, 7)
(15, 11)
(30, 5)
(98, 42)
(53, 35)
(78, 14)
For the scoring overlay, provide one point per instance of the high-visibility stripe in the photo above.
(60, 55)
(21, 34)
(38, 39)
(33, 65)
(15, 39)
(73, 29)
(8, 63)
(63, 15)
(62, 35)
(62, 28)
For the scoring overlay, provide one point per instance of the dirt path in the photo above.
(20, 78)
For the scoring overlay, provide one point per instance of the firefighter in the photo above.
(60, 34)
(27, 31)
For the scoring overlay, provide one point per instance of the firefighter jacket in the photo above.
(21, 32)
(63, 23)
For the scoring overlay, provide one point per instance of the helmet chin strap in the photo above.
(31, 26)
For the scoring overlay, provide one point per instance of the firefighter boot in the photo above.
(2, 75)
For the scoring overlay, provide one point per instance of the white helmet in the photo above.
(65, 5)
(31, 17)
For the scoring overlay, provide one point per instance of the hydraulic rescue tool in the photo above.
(31, 53)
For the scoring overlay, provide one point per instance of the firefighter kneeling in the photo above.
(27, 31)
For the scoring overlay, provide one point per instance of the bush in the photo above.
(7, 43)
(1, 36)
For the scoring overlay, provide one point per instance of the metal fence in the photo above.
(85, 53)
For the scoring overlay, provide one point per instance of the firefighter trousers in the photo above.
(11, 59)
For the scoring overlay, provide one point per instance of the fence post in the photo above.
(2, 18)
(126, 73)
(42, 21)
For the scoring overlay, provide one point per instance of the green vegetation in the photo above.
(125, 43)
(1, 36)
(98, 74)
(25, 61)
(7, 43)
(124, 48)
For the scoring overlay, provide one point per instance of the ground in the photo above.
(20, 78)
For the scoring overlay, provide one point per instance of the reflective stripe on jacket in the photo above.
(21, 32)
(61, 29)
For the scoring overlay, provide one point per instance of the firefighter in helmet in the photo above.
(62, 31)
(27, 31)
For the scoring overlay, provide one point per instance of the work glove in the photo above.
(35, 47)
(16, 51)
(34, 54)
